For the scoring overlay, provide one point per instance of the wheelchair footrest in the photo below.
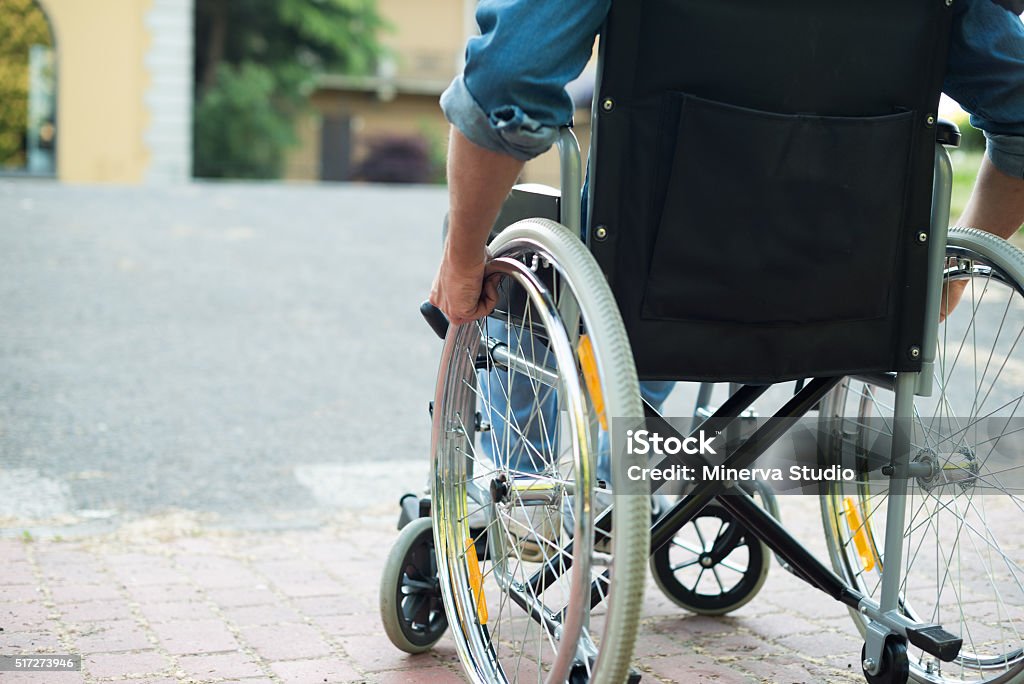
(936, 641)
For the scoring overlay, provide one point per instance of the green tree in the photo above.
(256, 61)
(22, 25)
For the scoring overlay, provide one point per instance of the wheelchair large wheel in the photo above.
(963, 550)
(520, 403)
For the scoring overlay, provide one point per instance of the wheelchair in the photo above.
(768, 202)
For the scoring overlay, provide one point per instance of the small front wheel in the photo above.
(712, 566)
(410, 596)
(895, 666)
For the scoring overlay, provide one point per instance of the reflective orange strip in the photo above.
(588, 364)
(860, 534)
(476, 581)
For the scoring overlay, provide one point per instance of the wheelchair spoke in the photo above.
(522, 604)
(732, 566)
(687, 564)
(683, 545)
(963, 567)
(718, 579)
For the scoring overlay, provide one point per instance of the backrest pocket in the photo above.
(776, 219)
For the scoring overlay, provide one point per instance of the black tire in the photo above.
(732, 582)
(410, 600)
(895, 668)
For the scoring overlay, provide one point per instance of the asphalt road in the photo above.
(245, 352)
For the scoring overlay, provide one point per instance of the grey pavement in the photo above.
(243, 351)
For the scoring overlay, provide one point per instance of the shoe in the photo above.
(532, 532)
(603, 517)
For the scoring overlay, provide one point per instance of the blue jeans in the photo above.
(985, 74)
(526, 440)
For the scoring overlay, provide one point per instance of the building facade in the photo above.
(110, 95)
(426, 46)
(123, 89)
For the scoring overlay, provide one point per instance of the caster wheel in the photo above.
(712, 566)
(895, 668)
(410, 594)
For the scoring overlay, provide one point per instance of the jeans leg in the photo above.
(654, 392)
(524, 441)
(537, 425)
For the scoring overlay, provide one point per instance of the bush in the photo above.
(971, 139)
(239, 133)
(397, 159)
(256, 63)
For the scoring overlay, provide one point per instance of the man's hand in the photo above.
(952, 291)
(463, 291)
(479, 180)
(996, 205)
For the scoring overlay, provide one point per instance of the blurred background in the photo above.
(151, 91)
(132, 91)
(217, 220)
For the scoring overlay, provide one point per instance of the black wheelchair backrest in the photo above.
(762, 172)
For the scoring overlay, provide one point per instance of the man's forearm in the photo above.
(996, 203)
(479, 180)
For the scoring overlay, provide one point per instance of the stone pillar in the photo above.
(168, 98)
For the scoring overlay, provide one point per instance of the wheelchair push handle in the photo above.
(435, 319)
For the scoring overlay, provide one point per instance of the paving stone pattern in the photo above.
(301, 606)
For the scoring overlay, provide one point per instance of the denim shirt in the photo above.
(511, 96)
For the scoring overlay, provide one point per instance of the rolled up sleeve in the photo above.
(508, 130)
(986, 76)
(511, 96)
(1007, 153)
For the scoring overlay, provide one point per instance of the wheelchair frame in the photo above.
(886, 619)
(547, 259)
(645, 115)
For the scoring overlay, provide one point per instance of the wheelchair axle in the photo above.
(528, 491)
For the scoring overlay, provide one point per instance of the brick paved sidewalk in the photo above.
(161, 603)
